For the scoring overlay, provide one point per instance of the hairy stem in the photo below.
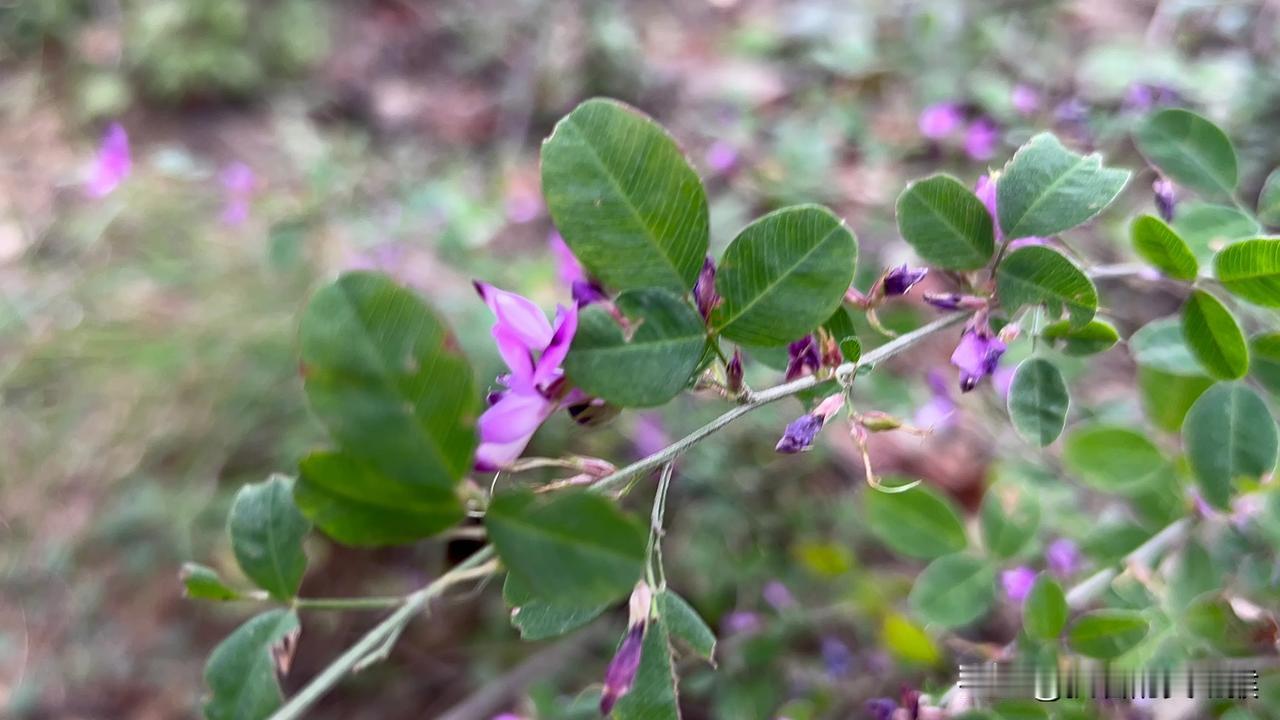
(476, 566)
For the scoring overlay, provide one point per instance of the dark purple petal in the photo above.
(1166, 198)
(943, 301)
(704, 290)
(586, 292)
(901, 279)
(733, 372)
(977, 356)
(800, 434)
(803, 357)
(622, 669)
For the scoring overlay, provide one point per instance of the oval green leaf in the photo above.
(1189, 149)
(1039, 275)
(918, 523)
(784, 275)
(1269, 200)
(1114, 459)
(946, 223)
(266, 532)
(953, 590)
(684, 623)
(201, 582)
(1162, 248)
(241, 672)
(1228, 434)
(539, 619)
(1046, 189)
(624, 197)
(1169, 377)
(573, 547)
(1214, 337)
(648, 368)
(1038, 401)
(1207, 228)
(1010, 517)
(1095, 337)
(1250, 270)
(1107, 634)
(1044, 613)
(385, 377)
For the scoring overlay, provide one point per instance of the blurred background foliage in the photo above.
(147, 358)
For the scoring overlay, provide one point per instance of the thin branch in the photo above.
(360, 603)
(478, 565)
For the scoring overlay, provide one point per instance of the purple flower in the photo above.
(803, 357)
(1072, 111)
(533, 350)
(977, 356)
(740, 622)
(721, 157)
(621, 672)
(1025, 99)
(583, 289)
(1017, 583)
(1063, 557)
(238, 183)
(939, 412)
(981, 139)
(1166, 197)
(733, 372)
(704, 289)
(1143, 97)
(901, 279)
(837, 657)
(881, 708)
(778, 595)
(802, 431)
(940, 120)
(112, 164)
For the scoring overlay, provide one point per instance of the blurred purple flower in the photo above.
(1025, 99)
(799, 435)
(939, 412)
(837, 657)
(721, 157)
(621, 672)
(1017, 583)
(778, 595)
(881, 708)
(981, 139)
(238, 184)
(901, 279)
(1143, 97)
(704, 289)
(977, 355)
(803, 357)
(572, 275)
(1063, 557)
(1002, 380)
(740, 622)
(112, 164)
(521, 332)
(1072, 111)
(1166, 197)
(940, 120)
(648, 434)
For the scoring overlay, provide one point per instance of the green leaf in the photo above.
(953, 590)
(784, 275)
(1214, 337)
(266, 532)
(946, 223)
(1038, 401)
(1212, 620)
(1009, 518)
(684, 623)
(1038, 275)
(646, 369)
(1114, 459)
(1264, 352)
(355, 504)
(1189, 149)
(851, 349)
(654, 695)
(1162, 248)
(907, 641)
(1046, 189)
(1207, 228)
(385, 377)
(1095, 337)
(200, 582)
(624, 197)
(918, 523)
(1169, 377)
(1251, 270)
(241, 672)
(1228, 434)
(1107, 634)
(1044, 613)
(1193, 575)
(1269, 200)
(573, 547)
(539, 619)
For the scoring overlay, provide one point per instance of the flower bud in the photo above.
(733, 372)
(704, 290)
(802, 357)
(955, 301)
(621, 672)
(1166, 199)
(877, 421)
(799, 435)
(901, 279)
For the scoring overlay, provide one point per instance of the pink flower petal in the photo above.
(519, 314)
(517, 415)
(565, 328)
(113, 163)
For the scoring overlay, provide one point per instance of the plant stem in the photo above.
(363, 603)
(764, 397)
(478, 565)
(656, 523)
(1145, 555)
